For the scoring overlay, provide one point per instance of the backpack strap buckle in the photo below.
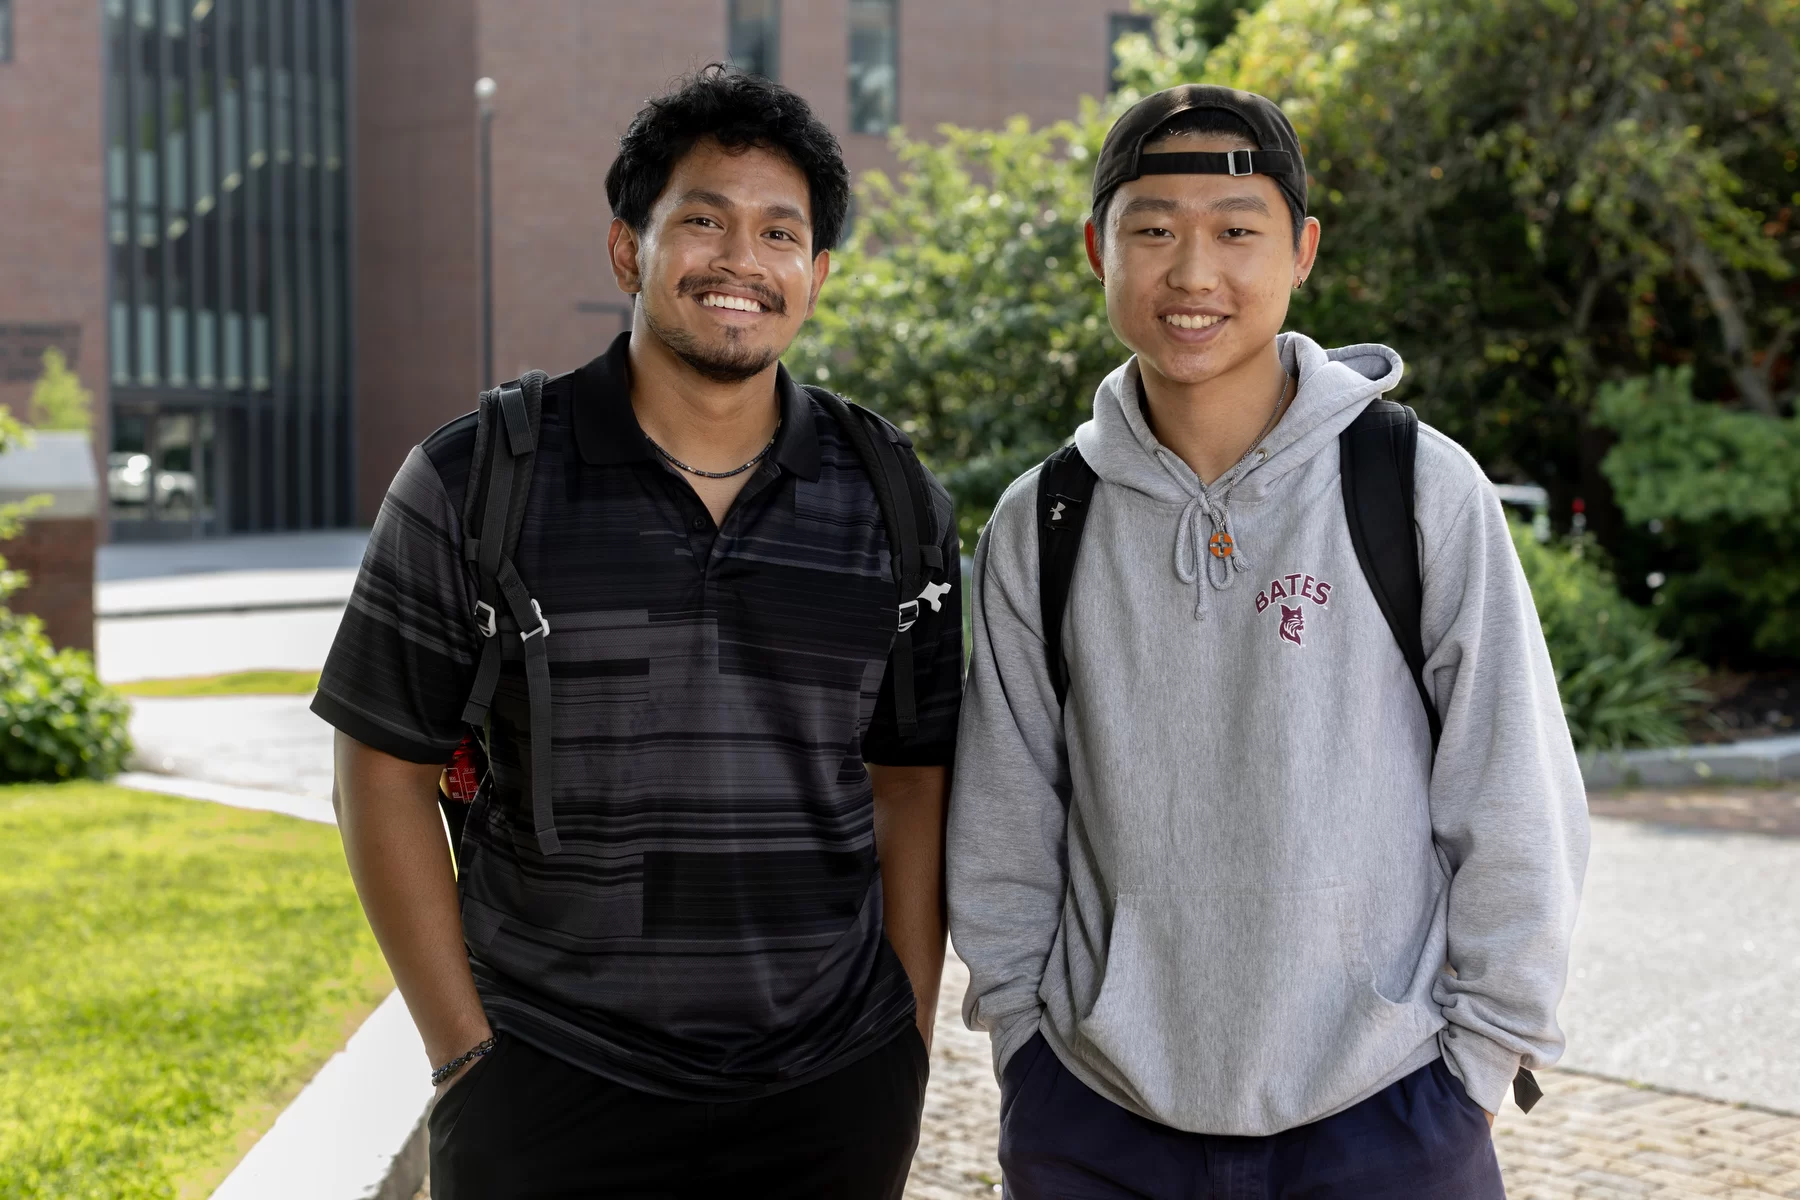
(909, 619)
(485, 619)
(543, 626)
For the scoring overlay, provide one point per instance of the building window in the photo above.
(227, 217)
(754, 36)
(1117, 26)
(5, 31)
(874, 67)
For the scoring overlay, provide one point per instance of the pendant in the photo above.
(1221, 544)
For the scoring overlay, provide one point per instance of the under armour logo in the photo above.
(933, 595)
(1057, 512)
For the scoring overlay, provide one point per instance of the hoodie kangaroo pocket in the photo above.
(1243, 1012)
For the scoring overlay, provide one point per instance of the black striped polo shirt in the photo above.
(712, 928)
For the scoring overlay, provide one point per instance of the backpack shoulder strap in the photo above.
(1375, 462)
(1377, 455)
(905, 500)
(1065, 486)
(499, 484)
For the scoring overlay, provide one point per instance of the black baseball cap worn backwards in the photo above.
(1277, 155)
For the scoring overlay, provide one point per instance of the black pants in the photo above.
(522, 1124)
(1420, 1138)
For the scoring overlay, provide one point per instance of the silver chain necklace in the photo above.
(735, 471)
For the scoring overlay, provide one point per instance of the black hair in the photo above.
(738, 110)
(1206, 122)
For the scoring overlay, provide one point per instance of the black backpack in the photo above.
(493, 514)
(1375, 459)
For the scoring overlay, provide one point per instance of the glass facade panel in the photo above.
(229, 321)
(874, 66)
(753, 35)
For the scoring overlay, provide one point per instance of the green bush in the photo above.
(57, 721)
(1621, 684)
(58, 401)
(1720, 489)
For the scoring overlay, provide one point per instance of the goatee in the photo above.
(730, 363)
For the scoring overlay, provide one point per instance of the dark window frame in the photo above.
(859, 124)
(6, 31)
(1117, 26)
(762, 55)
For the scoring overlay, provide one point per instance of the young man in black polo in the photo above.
(1239, 923)
(717, 977)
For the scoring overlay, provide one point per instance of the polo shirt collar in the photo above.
(607, 430)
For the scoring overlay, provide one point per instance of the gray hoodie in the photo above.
(1226, 881)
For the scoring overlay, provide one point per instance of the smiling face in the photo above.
(724, 269)
(1198, 268)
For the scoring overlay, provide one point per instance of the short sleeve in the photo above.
(403, 661)
(937, 679)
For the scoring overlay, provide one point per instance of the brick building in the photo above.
(254, 225)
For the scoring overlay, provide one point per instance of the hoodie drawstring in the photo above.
(1193, 556)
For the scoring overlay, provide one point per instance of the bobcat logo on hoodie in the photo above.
(1299, 587)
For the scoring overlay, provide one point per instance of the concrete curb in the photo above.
(1762, 761)
(357, 1131)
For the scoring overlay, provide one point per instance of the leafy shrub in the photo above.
(57, 721)
(963, 309)
(1721, 489)
(1621, 684)
(58, 401)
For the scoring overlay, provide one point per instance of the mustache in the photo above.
(769, 298)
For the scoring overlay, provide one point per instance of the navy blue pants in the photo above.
(1420, 1138)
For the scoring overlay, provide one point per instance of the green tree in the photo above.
(1531, 197)
(963, 308)
(58, 401)
(1721, 489)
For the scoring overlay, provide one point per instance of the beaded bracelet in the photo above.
(456, 1064)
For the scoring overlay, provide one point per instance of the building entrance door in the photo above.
(163, 473)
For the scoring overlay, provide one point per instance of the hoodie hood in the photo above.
(1334, 387)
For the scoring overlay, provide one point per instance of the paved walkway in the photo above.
(271, 742)
(1686, 965)
(222, 605)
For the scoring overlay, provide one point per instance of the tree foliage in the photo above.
(963, 308)
(1721, 488)
(1528, 198)
(1532, 200)
(58, 401)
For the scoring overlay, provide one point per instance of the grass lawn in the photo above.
(171, 974)
(240, 683)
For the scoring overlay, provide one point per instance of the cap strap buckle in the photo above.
(1231, 163)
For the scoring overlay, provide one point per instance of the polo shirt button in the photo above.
(699, 524)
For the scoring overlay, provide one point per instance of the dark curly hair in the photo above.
(738, 110)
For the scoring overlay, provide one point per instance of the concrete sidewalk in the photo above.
(1685, 972)
(227, 604)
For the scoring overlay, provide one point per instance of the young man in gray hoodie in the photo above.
(1234, 928)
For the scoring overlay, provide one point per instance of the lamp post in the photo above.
(484, 101)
